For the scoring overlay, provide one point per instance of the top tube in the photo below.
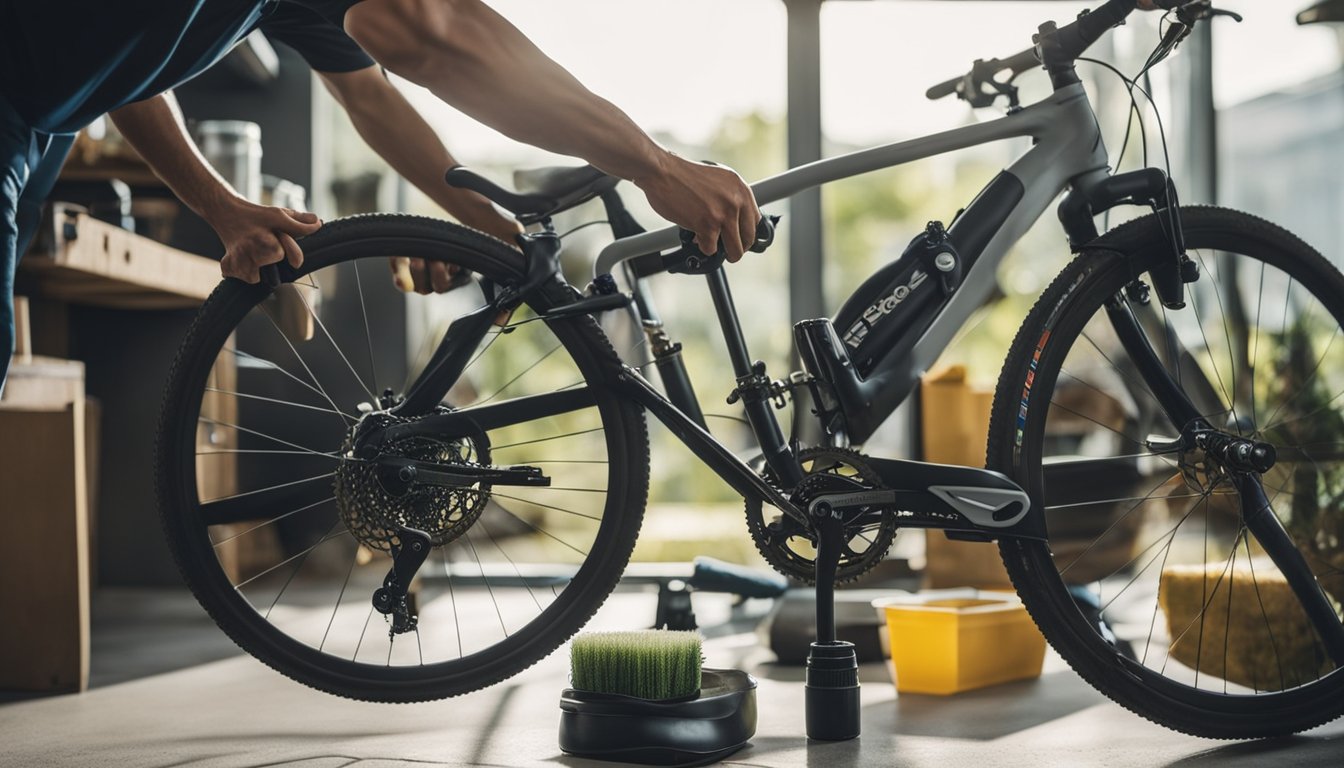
(1056, 120)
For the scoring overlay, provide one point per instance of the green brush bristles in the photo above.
(652, 664)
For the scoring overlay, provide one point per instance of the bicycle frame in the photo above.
(1068, 153)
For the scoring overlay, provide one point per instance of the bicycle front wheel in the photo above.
(285, 533)
(1161, 582)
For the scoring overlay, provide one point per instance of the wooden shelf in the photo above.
(82, 260)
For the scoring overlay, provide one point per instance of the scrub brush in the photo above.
(642, 697)
(653, 665)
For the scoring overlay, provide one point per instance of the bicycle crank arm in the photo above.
(964, 499)
(398, 475)
(391, 599)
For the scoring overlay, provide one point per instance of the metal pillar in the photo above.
(804, 129)
(1202, 186)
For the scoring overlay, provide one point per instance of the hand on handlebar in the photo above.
(711, 201)
(689, 259)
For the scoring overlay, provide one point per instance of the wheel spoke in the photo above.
(274, 400)
(258, 504)
(486, 579)
(275, 520)
(538, 530)
(494, 493)
(261, 362)
(294, 350)
(368, 334)
(373, 398)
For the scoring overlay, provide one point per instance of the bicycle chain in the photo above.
(773, 539)
(374, 515)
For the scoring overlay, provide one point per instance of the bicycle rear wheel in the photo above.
(284, 533)
(1152, 584)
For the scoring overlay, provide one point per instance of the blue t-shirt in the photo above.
(62, 64)
(315, 29)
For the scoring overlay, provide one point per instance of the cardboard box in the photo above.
(955, 424)
(44, 566)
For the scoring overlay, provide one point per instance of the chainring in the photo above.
(374, 513)
(790, 548)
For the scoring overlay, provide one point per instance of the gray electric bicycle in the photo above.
(1165, 466)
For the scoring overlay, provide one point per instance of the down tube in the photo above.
(1044, 173)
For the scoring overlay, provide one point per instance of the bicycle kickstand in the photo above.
(832, 687)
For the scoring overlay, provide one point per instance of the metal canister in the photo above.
(233, 147)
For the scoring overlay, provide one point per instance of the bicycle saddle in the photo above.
(546, 191)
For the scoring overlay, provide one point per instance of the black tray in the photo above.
(683, 732)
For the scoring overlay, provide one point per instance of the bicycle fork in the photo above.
(1245, 460)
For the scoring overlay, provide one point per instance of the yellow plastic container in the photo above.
(952, 640)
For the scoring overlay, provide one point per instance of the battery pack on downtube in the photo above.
(898, 300)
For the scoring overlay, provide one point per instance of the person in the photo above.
(121, 58)
(64, 64)
(387, 123)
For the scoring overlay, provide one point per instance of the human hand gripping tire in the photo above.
(426, 277)
(257, 235)
(710, 200)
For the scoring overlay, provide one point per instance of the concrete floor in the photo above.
(234, 713)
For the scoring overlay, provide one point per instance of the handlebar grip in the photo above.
(689, 259)
(765, 234)
(270, 276)
(946, 88)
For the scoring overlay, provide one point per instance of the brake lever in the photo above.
(1200, 10)
(1186, 17)
(1223, 12)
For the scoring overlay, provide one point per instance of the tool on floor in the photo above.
(706, 575)
(643, 697)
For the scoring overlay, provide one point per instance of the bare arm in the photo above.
(390, 125)
(253, 235)
(474, 59)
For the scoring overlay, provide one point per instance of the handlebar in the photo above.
(1057, 48)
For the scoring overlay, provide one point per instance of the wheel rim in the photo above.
(281, 394)
(1156, 560)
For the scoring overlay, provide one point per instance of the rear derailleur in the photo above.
(394, 597)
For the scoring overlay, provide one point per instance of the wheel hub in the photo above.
(1235, 453)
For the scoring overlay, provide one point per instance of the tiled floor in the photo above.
(234, 712)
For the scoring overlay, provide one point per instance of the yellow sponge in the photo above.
(1253, 631)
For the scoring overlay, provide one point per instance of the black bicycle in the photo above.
(1165, 466)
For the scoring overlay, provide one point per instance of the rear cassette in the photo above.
(375, 510)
